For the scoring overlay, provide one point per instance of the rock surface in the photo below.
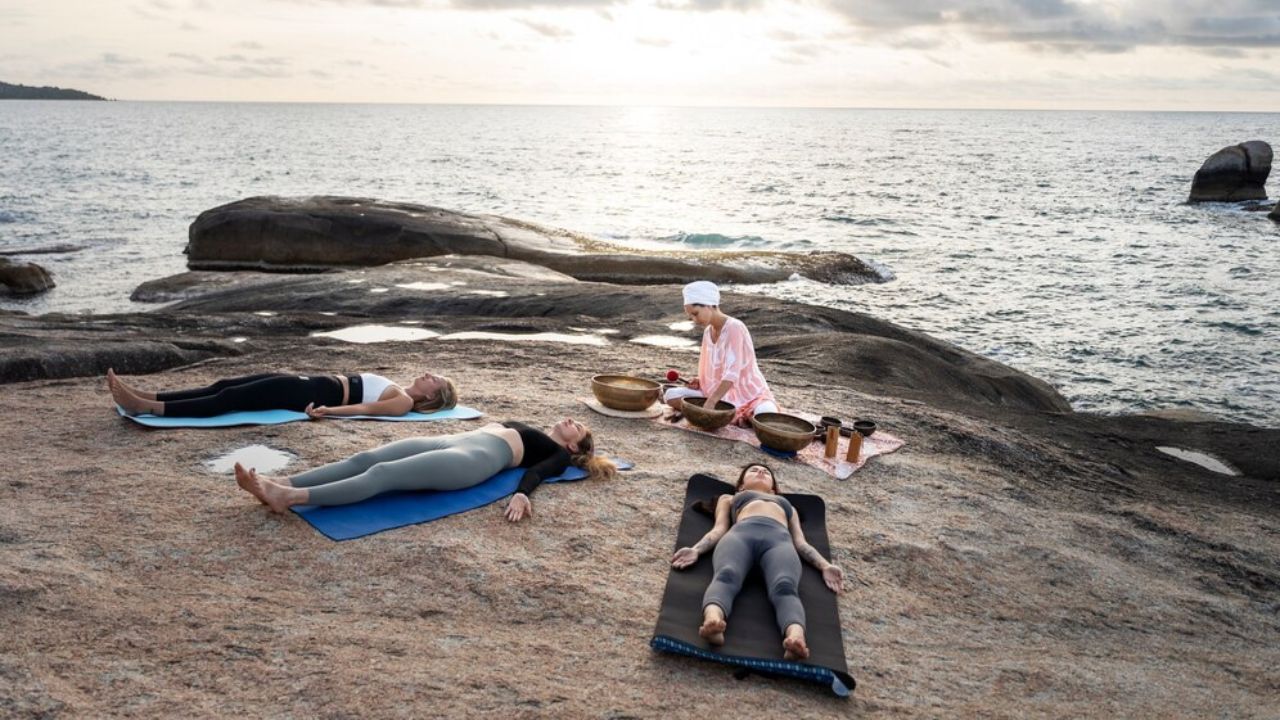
(1233, 173)
(17, 278)
(1007, 562)
(310, 233)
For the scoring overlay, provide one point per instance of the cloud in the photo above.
(248, 45)
(116, 59)
(1078, 25)
(710, 5)
(546, 30)
(654, 42)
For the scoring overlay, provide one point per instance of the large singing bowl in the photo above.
(782, 432)
(623, 392)
(699, 416)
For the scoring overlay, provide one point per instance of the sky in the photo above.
(1206, 55)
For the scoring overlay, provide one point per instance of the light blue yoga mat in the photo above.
(279, 417)
(397, 509)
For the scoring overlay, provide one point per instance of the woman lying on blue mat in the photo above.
(441, 462)
(766, 530)
(317, 395)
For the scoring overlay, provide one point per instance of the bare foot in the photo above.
(133, 390)
(277, 497)
(249, 483)
(713, 625)
(132, 404)
(793, 645)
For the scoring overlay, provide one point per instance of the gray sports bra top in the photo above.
(741, 499)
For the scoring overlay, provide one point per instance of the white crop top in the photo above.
(373, 386)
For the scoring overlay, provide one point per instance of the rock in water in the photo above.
(24, 278)
(316, 233)
(1233, 173)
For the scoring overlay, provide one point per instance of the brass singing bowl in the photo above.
(782, 432)
(623, 392)
(693, 410)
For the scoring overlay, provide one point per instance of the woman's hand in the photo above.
(694, 384)
(315, 413)
(834, 578)
(519, 507)
(684, 557)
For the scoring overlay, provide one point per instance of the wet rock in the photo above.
(1233, 173)
(17, 278)
(311, 233)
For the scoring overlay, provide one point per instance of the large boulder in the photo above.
(23, 278)
(316, 233)
(1233, 173)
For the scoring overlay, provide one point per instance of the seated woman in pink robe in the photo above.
(727, 368)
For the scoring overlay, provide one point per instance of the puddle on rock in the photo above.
(327, 313)
(490, 293)
(423, 286)
(265, 313)
(1204, 460)
(666, 341)
(239, 339)
(379, 290)
(364, 334)
(529, 337)
(682, 326)
(264, 459)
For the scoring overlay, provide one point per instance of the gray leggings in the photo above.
(763, 540)
(445, 462)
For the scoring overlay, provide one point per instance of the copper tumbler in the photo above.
(833, 440)
(855, 447)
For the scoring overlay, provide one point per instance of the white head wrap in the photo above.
(701, 292)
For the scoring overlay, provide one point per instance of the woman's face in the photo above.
(699, 314)
(428, 385)
(758, 478)
(570, 431)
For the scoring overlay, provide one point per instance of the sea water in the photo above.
(1059, 243)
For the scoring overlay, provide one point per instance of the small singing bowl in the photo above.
(693, 409)
(623, 392)
(782, 432)
(864, 427)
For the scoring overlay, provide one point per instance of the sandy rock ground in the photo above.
(1000, 565)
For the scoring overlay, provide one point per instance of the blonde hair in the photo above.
(598, 467)
(445, 398)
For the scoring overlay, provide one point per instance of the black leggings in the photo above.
(269, 391)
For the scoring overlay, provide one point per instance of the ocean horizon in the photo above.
(1056, 241)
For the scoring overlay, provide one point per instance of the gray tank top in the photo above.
(742, 498)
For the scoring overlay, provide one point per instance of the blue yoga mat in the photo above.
(279, 417)
(393, 510)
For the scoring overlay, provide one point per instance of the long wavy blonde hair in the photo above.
(598, 467)
(445, 398)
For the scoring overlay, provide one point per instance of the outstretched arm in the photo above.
(391, 407)
(687, 556)
(831, 575)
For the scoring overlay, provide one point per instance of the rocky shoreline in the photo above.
(1014, 559)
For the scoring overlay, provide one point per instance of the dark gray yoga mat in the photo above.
(752, 640)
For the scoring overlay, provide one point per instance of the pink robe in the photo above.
(733, 358)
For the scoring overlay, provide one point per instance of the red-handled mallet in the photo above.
(673, 376)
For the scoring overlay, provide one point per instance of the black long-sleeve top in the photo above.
(543, 457)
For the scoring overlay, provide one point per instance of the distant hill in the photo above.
(25, 92)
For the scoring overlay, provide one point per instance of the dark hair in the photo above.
(748, 466)
(708, 507)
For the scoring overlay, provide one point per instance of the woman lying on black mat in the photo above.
(766, 530)
(317, 395)
(439, 462)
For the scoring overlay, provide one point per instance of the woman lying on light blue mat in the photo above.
(317, 395)
(766, 530)
(440, 462)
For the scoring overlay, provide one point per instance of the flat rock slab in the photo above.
(313, 233)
